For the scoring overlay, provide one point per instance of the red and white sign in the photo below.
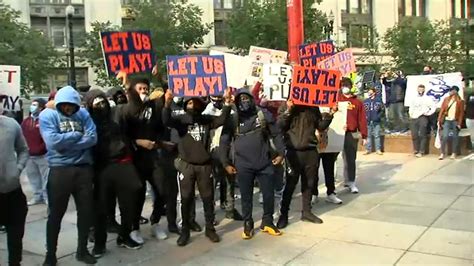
(10, 86)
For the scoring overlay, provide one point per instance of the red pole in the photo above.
(295, 28)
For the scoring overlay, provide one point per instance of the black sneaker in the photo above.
(310, 217)
(234, 215)
(173, 228)
(128, 243)
(195, 227)
(184, 238)
(212, 235)
(50, 260)
(98, 252)
(271, 229)
(282, 221)
(113, 227)
(86, 257)
(248, 230)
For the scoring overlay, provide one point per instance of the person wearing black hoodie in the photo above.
(253, 158)
(194, 158)
(114, 173)
(298, 124)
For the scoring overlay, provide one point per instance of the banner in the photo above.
(313, 53)
(436, 86)
(336, 132)
(314, 87)
(260, 56)
(10, 77)
(234, 65)
(343, 61)
(130, 51)
(196, 75)
(277, 81)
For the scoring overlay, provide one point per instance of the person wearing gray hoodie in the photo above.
(13, 208)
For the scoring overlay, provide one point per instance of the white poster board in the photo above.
(436, 86)
(277, 81)
(336, 132)
(234, 64)
(10, 77)
(260, 56)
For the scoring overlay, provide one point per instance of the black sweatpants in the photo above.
(64, 181)
(13, 211)
(304, 164)
(266, 180)
(122, 180)
(226, 185)
(200, 174)
(350, 156)
(329, 163)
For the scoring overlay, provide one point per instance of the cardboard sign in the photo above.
(234, 65)
(196, 75)
(343, 61)
(313, 53)
(130, 51)
(335, 132)
(260, 56)
(436, 86)
(10, 77)
(277, 81)
(315, 87)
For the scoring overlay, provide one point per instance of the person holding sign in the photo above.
(298, 124)
(194, 159)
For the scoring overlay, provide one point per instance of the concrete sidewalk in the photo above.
(409, 211)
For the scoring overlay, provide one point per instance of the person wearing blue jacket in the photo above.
(69, 133)
(373, 111)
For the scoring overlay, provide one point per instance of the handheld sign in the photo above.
(277, 81)
(129, 51)
(233, 66)
(10, 87)
(314, 87)
(343, 61)
(313, 53)
(260, 56)
(196, 75)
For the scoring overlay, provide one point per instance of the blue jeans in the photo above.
(450, 129)
(373, 130)
(37, 171)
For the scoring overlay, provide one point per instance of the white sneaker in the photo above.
(453, 156)
(34, 202)
(354, 189)
(333, 199)
(441, 157)
(158, 232)
(314, 200)
(137, 237)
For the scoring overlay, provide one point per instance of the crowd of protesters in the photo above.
(106, 148)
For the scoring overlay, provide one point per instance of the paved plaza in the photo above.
(409, 212)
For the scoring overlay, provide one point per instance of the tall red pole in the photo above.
(295, 28)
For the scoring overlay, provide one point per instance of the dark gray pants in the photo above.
(350, 156)
(419, 133)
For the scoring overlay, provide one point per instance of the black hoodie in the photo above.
(194, 133)
(112, 143)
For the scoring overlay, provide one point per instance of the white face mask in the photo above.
(112, 104)
(144, 97)
(346, 90)
(176, 99)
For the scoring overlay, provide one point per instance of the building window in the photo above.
(228, 4)
(60, 77)
(358, 6)
(458, 9)
(359, 36)
(220, 30)
(415, 8)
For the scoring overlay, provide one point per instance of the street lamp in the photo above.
(72, 68)
(329, 27)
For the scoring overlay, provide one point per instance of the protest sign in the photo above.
(336, 132)
(233, 66)
(314, 87)
(10, 77)
(260, 56)
(343, 61)
(277, 81)
(313, 53)
(436, 86)
(130, 51)
(196, 75)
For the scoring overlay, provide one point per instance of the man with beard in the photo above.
(194, 159)
(253, 158)
(114, 173)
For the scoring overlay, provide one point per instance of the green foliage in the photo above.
(174, 27)
(264, 23)
(20, 45)
(416, 43)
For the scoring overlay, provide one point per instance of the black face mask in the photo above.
(426, 72)
(192, 112)
(217, 104)
(122, 99)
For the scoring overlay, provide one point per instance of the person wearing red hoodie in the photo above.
(37, 168)
(356, 125)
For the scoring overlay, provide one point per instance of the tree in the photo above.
(416, 43)
(25, 47)
(264, 23)
(175, 27)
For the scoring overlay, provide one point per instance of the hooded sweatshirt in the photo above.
(13, 154)
(30, 128)
(373, 109)
(251, 146)
(356, 118)
(68, 139)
